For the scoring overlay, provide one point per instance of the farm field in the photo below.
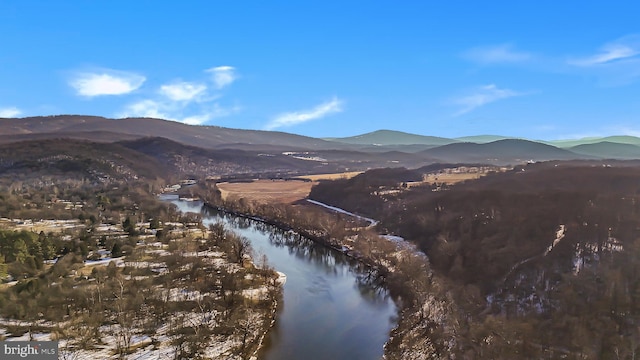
(344, 175)
(281, 191)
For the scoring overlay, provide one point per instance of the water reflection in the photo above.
(296, 244)
(333, 308)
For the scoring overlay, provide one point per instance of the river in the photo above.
(330, 310)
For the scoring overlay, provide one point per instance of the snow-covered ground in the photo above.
(310, 158)
(282, 278)
(371, 221)
(158, 345)
(400, 242)
(559, 236)
(119, 261)
(586, 252)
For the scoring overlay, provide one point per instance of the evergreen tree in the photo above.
(116, 250)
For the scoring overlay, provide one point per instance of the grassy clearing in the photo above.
(280, 191)
(286, 192)
(317, 177)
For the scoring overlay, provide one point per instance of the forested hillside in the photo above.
(543, 259)
(92, 258)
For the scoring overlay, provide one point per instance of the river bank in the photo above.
(334, 306)
(424, 324)
(182, 299)
(332, 243)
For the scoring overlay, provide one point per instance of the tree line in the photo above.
(487, 241)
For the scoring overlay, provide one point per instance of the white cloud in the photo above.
(223, 75)
(213, 112)
(146, 108)
(183, 91)
(196, 119)
(298, 117)
(481, 96)
(624, 48)
(496, 54)
(217, 111)
(10, 112)
(106, 82)
(185, 101)
(175, 111)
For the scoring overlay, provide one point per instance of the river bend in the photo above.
(330, 309)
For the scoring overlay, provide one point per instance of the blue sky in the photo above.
(536, 69)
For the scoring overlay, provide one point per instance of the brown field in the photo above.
(278, 190)
(344, 175)
(267, 190)
(290, 191)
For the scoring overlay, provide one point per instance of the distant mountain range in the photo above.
(501, 151)
(499, 148)
(382, 148)
(608, 149)
(391, 137)
(624, 139)
(108, 130)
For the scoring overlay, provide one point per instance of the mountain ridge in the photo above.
(501, 151)
(608, 150)
(105, 130)
(201, 136)
(384, 137)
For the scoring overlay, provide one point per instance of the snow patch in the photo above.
(559, 236)
(371, 221)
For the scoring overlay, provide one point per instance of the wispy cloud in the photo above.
(196, 119)
(183, 101)
(10, 112)
(223, 76)
(146, 108)
(183, 91)
(176, 112)
(298, 117)
(617, 63)
(624, 48)
(481, 96)
(213, 112)
(105, 82)
(496, 54)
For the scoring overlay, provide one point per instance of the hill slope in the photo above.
(391, 137)
(78, 159)
(501, 151)
(622, 139)
(542, 262)
(608, 150)
(196, 161)
(202, 136)
(481, 139)
(408, 149)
